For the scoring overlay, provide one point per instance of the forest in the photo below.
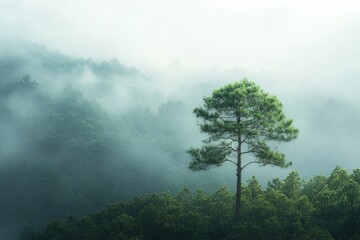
(322, 208)
(80, 140)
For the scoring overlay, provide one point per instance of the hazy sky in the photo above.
(310, 44)
(257, 34)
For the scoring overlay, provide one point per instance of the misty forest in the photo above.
(89, 152)
(179, 120)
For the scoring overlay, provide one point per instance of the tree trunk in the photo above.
(238, 182)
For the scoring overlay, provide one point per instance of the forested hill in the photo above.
(322, 208)
(76, 135)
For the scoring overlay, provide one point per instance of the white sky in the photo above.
(306, 41)
(256, 34)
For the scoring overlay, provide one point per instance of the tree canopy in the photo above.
(239, 119)
(323, 208)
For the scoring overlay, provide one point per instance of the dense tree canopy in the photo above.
(322, 208)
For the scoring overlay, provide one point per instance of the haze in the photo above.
(256, 35)
(138, 68)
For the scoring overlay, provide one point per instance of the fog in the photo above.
(105, 112)
(278, 36)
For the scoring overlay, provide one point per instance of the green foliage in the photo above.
(239, 119)
(241, 114)
(290, 211)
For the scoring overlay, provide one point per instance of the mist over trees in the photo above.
(69, 146)
(78, 134)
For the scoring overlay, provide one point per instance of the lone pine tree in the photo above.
(240, 119)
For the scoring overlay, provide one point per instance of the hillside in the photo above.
(77, 134)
